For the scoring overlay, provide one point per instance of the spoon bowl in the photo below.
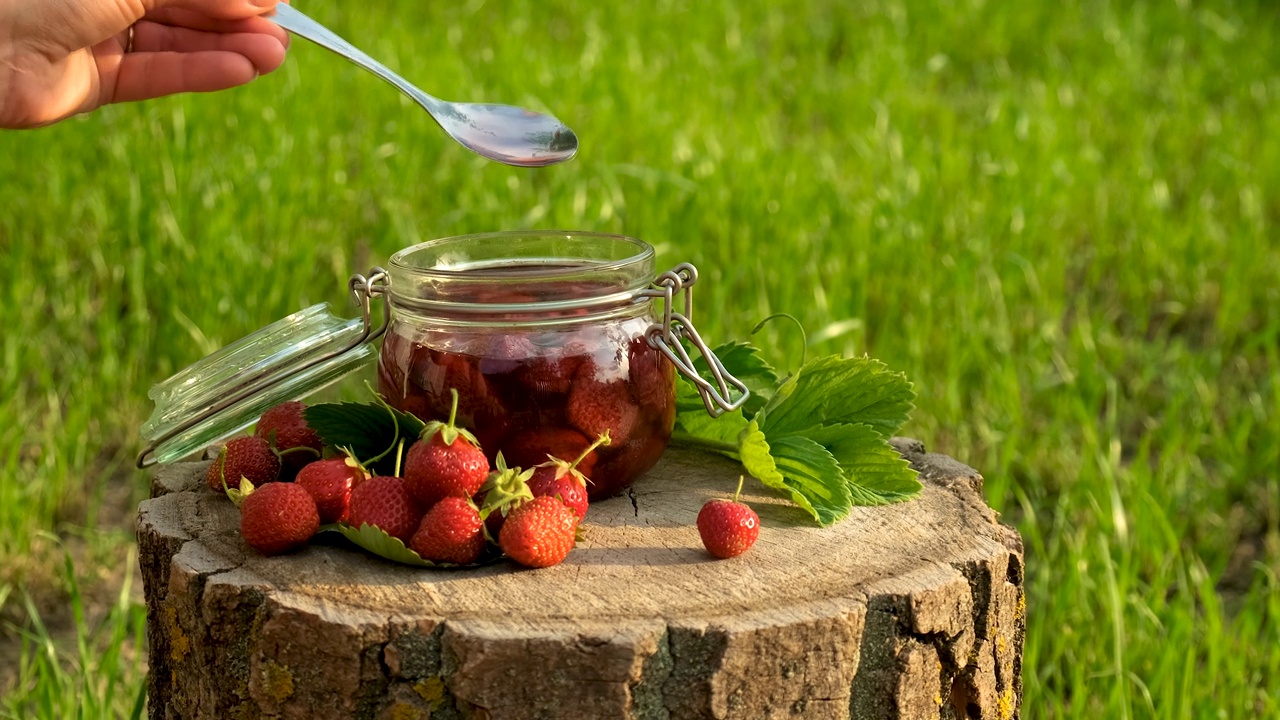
(504, 133)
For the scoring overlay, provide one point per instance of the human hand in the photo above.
(63, 57)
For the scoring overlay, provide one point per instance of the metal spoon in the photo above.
(508, 134)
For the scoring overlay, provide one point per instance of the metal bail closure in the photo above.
(229, 390)
(675, 327)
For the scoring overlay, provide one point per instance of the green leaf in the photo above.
(377, 541)
(688, 400)
(833, 391)
(744, 361)
(719, 433)
(875, 473)
(801, 469)
(368, 430)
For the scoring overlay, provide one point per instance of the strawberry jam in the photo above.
(546, 352)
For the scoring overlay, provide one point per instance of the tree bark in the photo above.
(913, 610)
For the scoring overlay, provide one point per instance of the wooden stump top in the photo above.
(909, 610)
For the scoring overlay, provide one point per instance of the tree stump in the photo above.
(906, 611)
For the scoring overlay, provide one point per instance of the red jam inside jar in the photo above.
(544, 336)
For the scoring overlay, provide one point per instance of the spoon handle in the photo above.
(302, 26)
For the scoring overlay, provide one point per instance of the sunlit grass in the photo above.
(1058, 218)
(99, 673)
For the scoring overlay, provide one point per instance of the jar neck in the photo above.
(513, 315)
(522, 278)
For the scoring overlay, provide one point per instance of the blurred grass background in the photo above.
(1059, 219)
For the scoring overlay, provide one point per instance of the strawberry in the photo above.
(563, 480)
(445, 461)
(615, 472)
(539, 533)
(728, 527)
(294, 440)
(652, 376)
(549, 375)
(277, 517)
(439, 373)
(393, 385)
(504, 353)
(597, 407)
(248, 457)
(451, 532)
(504, 490)
(384, 503)
(533, 446)
(330, 482)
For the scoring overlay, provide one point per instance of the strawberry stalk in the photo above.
(301, 448)
(603, 439)
(505, 488)
(449, 432)
(238, 495)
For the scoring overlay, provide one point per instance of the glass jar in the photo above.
(545, 336)
(551, 339)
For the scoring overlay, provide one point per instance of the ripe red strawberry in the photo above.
(450, 532)
(549, 375)
(384, 502)
(728, 527)
(445, 461)
(249, 457)
(278, 517)
(539, 533)
(293, 439)
(504, 490)
(597, 407)
(532, 447)
(330, 482)
(563, 480)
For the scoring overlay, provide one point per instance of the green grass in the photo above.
(1058, 218)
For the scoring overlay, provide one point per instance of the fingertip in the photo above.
(272, 58)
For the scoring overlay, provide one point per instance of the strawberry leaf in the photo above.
(377, 541)
(875, 473)
(743, 361)
(801, 469)
(839, 391)
(368, 430)
(720, 434)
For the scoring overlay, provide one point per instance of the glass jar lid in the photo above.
(229, 390)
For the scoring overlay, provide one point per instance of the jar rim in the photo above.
(644, 253)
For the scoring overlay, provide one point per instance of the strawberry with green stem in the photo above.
(503, 491)
(331, 482)
(446, 461)
(561, 479)
(275, 517)
(728, 527)
(539, 533)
